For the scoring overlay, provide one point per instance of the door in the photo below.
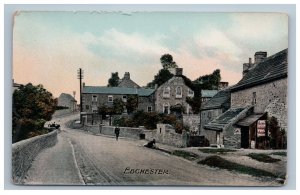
(245, 137)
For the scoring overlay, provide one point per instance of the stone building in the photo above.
(260, 94)
(210, 110)
(127, 82)
(67, 100)
(94, 97)
(172, 95)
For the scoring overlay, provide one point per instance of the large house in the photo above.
(172, 95)
(259, 95)
(68, 101)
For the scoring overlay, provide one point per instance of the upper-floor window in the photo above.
(190, 93)
(178, 92)
(149, 108)
(110, 98)
(166, 92)
(254, 98)
(87, 107)
(95, 98)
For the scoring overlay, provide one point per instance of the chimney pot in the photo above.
(178, 71)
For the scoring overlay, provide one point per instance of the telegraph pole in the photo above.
(80, 77)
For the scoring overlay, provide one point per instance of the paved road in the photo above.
(81, 158)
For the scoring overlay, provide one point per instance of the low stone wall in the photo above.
(130, 132)
(24, 152)
(62, 112)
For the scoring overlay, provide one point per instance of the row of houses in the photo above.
(234, 117)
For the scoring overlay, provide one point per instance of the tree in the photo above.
(163, 76)
(166, 61)
(114, 80)
(118, 106)
(32, 107)
(132, 103)
(209, 82)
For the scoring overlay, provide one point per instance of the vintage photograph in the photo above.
(149, 98)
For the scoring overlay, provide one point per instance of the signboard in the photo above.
(261, 128)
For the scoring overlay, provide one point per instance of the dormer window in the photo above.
(178, 92)
(166, 93)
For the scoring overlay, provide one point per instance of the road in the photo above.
(80, 158)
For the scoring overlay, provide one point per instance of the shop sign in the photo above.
(261, 128)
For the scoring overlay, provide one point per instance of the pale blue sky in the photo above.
(51, 46)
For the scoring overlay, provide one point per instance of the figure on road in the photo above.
(151, 144)
(117, 132)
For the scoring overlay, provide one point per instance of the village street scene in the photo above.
(214, 119)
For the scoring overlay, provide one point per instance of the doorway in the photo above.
(245, 137)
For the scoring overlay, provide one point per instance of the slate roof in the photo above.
(272, 68)
(208, 93)
(218, 100)
(249, 120)
(117, 90)
(224, 119)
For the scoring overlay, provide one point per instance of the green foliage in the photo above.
(114, 80)
(32, 107)
(209, 82)
(166, 61)
(195, 103)
(132, 103)
(163, 76)
(275, 134)
(263, 158)
(118, 106)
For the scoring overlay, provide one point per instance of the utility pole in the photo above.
(80, 77)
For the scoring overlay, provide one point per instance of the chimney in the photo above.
(250, 61)
(259, 56)
(127, 75)
(178, 72)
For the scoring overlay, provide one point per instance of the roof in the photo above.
(208, 93)
(249, 120)
(127, 82)
(224, 119)
(66, 96)
(272, 68)
(117, 90)
(217, 101)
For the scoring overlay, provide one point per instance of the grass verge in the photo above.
(216, 161)
(217, 150)
(184, 154)
(279, 153)
(263, 158)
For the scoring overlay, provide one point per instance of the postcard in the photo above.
(149, 98)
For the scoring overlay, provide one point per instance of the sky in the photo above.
(49, 47)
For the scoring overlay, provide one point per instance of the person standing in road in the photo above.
(117, 132)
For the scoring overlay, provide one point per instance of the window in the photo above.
(254, 98)
(178, 92)
(95, 98)
(124, 98)
(166, 92)
(166, 108)
(95, 111)
(87, 107)
(149, 108)
(190, 93)
(110, 98)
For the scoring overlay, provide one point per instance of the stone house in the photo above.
(127, 82)
(260, 94)
(210, 110)
(173, 94)
(67, 100)
(93, 97)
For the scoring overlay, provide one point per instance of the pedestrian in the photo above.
(117, 132)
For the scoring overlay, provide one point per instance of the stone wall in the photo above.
(265, 94)
(145, 101)
(279, 111)
(192, 120)
(130, 132)
(24, 152)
